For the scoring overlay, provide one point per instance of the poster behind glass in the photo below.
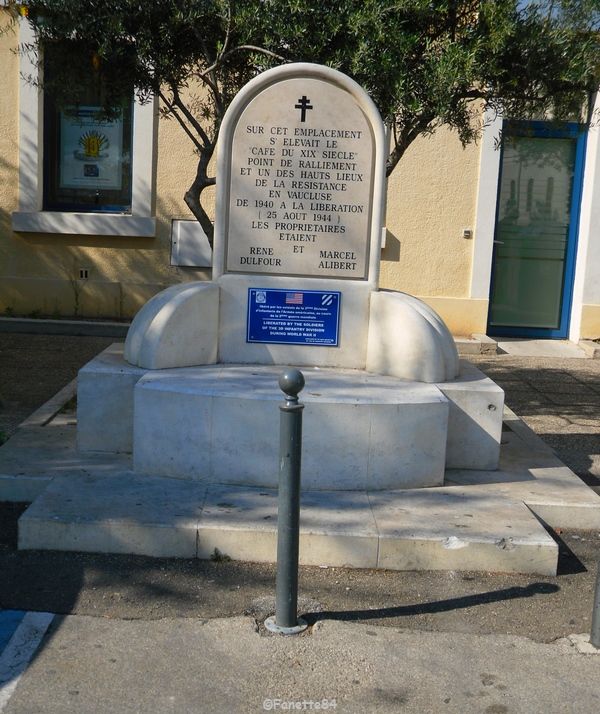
(91, 150)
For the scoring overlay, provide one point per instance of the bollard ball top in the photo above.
(291, 381)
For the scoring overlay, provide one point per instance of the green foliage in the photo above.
(217, 557)
(425, 63)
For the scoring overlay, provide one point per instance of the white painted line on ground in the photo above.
(19, 651)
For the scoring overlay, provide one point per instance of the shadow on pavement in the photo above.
(437, 606)
(568, 562)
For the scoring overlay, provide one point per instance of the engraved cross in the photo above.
(303, 105)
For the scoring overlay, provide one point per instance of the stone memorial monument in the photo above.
(298, 228)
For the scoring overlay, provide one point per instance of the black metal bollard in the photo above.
(595, 633)
(286, 620)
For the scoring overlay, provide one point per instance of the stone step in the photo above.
(457, 528)
(368, 429)
(221, 424)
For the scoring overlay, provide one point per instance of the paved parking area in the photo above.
(559, 399)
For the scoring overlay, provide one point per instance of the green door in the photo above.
(536, 230)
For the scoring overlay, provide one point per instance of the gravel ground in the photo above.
(34, 367)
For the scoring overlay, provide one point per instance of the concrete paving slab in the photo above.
(240, 523)
(51, 450)
(531, 473)
(432, 529)
(50, 409)
(184, 666)
(123, 513)
(591, 348)
(336, 528)
(562, 349)
(467, 346)
(460, 529)
(22, 488)
(476, 344)
(34, 455)
(488, 345)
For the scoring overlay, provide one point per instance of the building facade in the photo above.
(499, 237)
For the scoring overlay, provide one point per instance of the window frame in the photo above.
(31, 217)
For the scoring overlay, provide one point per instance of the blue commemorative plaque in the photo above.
(293, 317)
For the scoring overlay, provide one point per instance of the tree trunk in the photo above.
(407, 134)
(193, 195)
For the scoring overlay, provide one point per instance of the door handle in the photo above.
(499, 242)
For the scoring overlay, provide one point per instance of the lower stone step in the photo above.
(455, 528)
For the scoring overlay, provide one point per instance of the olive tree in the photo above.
(425, 63)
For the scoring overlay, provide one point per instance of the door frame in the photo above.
(542, 129)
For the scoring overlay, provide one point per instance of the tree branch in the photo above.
(183, 125)
(401, 143)
(190, 117)
(227, 33)
(249, 48)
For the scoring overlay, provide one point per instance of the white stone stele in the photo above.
(260, 103)
(269, 100)
(293, 185)
(221, 424)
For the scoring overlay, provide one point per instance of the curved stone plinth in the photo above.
(176, 328)
(408, 339)
(221, 424)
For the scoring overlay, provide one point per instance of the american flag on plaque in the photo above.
(294, 298)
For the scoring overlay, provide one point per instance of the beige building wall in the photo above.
(39, 273)
(425, 254)
(432, 199)
(9, 144)
(432, 196)
(590, 322)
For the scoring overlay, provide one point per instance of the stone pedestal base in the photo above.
(220, 423)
